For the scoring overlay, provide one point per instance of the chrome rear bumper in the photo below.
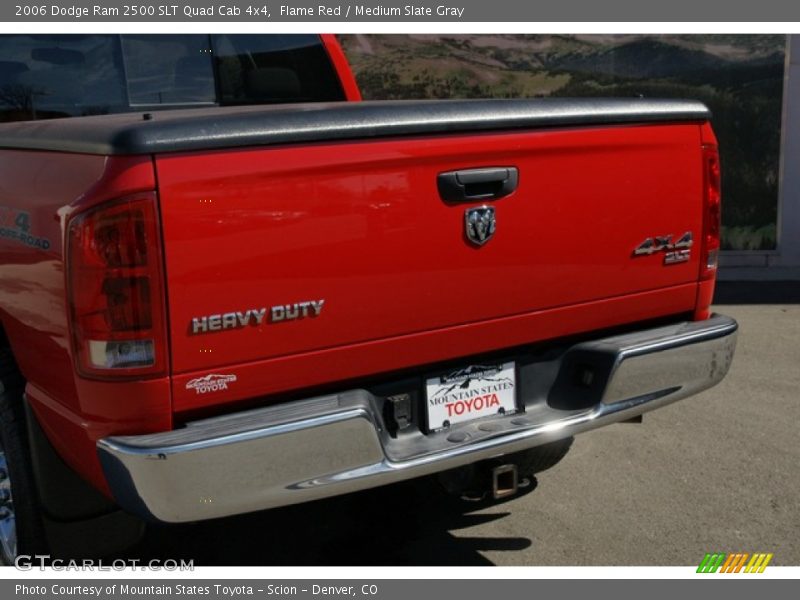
(336, 444)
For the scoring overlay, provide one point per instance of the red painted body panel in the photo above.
(74, 412)
(362, 225)
(356, 360)
(343, 70)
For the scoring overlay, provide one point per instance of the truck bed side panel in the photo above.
(46, 188)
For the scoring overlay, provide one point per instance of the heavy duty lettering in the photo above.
(255, 316)
(228, 320)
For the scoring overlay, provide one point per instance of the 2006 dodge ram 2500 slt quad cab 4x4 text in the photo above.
(237, 306)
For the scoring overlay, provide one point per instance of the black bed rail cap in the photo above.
(235, 127)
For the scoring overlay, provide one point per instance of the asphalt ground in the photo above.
(716, 472)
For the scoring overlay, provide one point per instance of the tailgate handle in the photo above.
(488, 183)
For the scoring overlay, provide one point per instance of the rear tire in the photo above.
(21, 529)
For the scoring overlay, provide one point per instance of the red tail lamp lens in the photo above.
(712, 212)
(115, 288)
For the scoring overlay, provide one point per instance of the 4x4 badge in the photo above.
(676, 252)
(480, 224)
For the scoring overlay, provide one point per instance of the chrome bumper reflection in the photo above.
(336, 444)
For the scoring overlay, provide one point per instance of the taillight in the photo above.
(115, 289)
(711, 212)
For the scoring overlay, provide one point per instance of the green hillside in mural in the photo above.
(739, 77)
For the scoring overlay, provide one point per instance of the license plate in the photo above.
(470, 393)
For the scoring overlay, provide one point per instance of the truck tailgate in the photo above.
(361, 225)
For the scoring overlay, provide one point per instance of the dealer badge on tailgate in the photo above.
(471, 393)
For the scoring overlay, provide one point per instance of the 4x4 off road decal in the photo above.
(15, 225)
(213, 382)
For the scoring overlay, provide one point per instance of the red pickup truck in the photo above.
(274, 292)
